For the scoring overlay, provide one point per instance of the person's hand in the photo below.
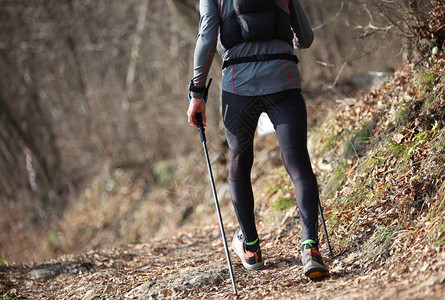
(197, 105)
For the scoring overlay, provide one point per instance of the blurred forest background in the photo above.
(93, 91)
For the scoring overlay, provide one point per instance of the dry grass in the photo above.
(390, 189)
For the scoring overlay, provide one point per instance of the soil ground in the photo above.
(193, 265)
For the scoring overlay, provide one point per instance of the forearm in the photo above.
(300, 25)
(205, 44)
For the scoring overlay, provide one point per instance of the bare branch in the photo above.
(338, 74)
(331, 19)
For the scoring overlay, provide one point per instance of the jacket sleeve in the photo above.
(300, 25)
(206, 43)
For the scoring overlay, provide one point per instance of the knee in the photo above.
(297, 162)
(240, 165)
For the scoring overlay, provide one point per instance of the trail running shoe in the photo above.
(250, 260)
(314, 267)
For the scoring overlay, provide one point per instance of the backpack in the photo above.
(255, 20)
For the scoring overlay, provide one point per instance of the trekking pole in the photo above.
(324, 227)
(212, 182)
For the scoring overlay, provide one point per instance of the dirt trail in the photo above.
(405, 261)
(193, 266)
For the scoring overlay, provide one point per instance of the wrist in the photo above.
(195, 99)
(197, 92)
(193, 96)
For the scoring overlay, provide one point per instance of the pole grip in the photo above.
(200, 127)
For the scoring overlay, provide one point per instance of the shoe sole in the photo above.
(315, 270)
(254, 267)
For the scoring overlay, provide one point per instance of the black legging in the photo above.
(287, 112)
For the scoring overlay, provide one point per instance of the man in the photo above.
(260, 74)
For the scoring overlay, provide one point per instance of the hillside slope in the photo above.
(380, 160)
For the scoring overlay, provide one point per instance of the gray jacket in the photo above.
(255, 78)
